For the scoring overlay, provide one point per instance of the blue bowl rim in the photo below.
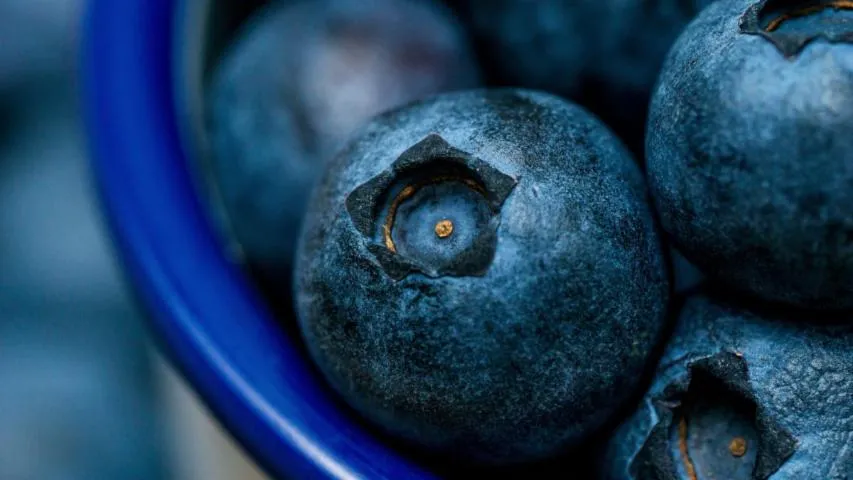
(210, 320)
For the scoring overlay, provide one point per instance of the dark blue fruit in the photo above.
(301, 77)
(750, 148)
(605, 53)
(744, 395)
(480, 274)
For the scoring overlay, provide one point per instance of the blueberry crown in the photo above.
(792, 24)
(434, 211)
(714, 387)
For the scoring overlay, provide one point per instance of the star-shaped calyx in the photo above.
(711, 426)
(434, 211)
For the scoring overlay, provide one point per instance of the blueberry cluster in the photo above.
(480, 273)
(750, 164)
(490, 275)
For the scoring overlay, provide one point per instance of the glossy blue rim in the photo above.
(211, 321)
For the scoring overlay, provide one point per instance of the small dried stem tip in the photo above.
(737, 446)
(444, 229)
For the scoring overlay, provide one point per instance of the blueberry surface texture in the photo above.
(750, 148)
(299, 79)
(604, 53)
(743, 394)
(480, 274)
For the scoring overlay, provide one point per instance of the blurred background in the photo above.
(83, 392)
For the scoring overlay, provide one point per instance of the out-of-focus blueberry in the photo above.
(750, 149)
(300, 78)
(480, 274)
(743, 395)
(604, 53)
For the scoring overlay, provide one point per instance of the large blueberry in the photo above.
(605, 53)
(744, 394)
(299, 79)
(480, 274)
(750, 148)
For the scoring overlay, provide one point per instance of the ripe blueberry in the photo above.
(743, 394)
(480, 274)
(750, 148)
(298, 81)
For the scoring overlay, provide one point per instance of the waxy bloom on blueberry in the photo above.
(480, 275)
(750, 148)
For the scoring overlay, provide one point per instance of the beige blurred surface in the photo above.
(200, 448)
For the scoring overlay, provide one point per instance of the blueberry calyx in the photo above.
(792, 24)
(434, 211)
(666, 453)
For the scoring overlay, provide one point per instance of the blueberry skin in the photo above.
(513, 350)
(299, 79)
(604, 53)
(780, 382)
(750, 158)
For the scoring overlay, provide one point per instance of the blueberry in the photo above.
(605, 53)
(480, 274)
(301, 77)
(750, 148)
(743, 394)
